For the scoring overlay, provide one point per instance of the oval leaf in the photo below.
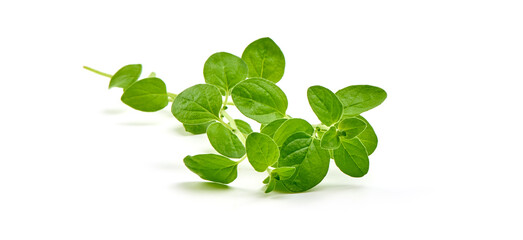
(311, 162)
(198, 104)
(290, 127)
(271, 127)
(352, 158)
(360, 98)
(330, 139)
(271, 184)
(264, 59)
(212, 167)
(224, 70)
(197, 128)
(243, 126)
(260, 100)
(283, 173)
(126, 76)
(351, 127)
(325, 104)
(262, 151)
(368, 137)
(224, 141)
(148, 95)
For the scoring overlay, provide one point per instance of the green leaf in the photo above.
(126, 76)
(283, 173)
(360, 98)
(212, 167)
(311, 161)
(330, 139)
(271, 185)
(264, 59)
(368, 137)
(351, 127)
(148, 95)
(262, 151)
(197, 128)
(224, 70)
(260, 100)
(325, 104)
(290, 127)
(352, 158)
(243, 126)
(270, 128)
(224, 141)
(198, 104)
(266, 180)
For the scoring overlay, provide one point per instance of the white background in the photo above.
(76, 163)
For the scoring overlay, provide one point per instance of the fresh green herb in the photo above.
(213, 167)
(330, 139)
(290, 127)
(262, 151)
(352, 158)
(325, 104)
(225, 141)
(294, 153)
(260, 100)
(265, 60)
(148, 95)
(126, 76)
(198, 104)
(351, 127)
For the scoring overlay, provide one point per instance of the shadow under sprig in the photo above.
(202, 187)
(113, 111)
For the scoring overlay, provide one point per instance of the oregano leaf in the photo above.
(126, 76)
(351, 127)
(148, 95)
(224, 141)
(270, 128)
(290, 127)
(262, 151)
(325, 104)
(212, 167)
(243, 126)
(283, 173)
(311, 162)
(352, 158)
(368, 137)
(265, 60)
(224, 70)
(330, 139)
(197, 128)
(198, 104)
(357, 99)
(260, 100)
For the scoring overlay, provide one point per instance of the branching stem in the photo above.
(233, 126)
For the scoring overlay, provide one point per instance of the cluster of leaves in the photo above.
(294, 153)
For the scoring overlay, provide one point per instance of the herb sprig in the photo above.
(294, 153)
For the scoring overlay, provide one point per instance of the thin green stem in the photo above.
(230, 103)
(320, 126)
(171, 96)
(98, 72)
(241, 159)
(233, 126)
(226, 100)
